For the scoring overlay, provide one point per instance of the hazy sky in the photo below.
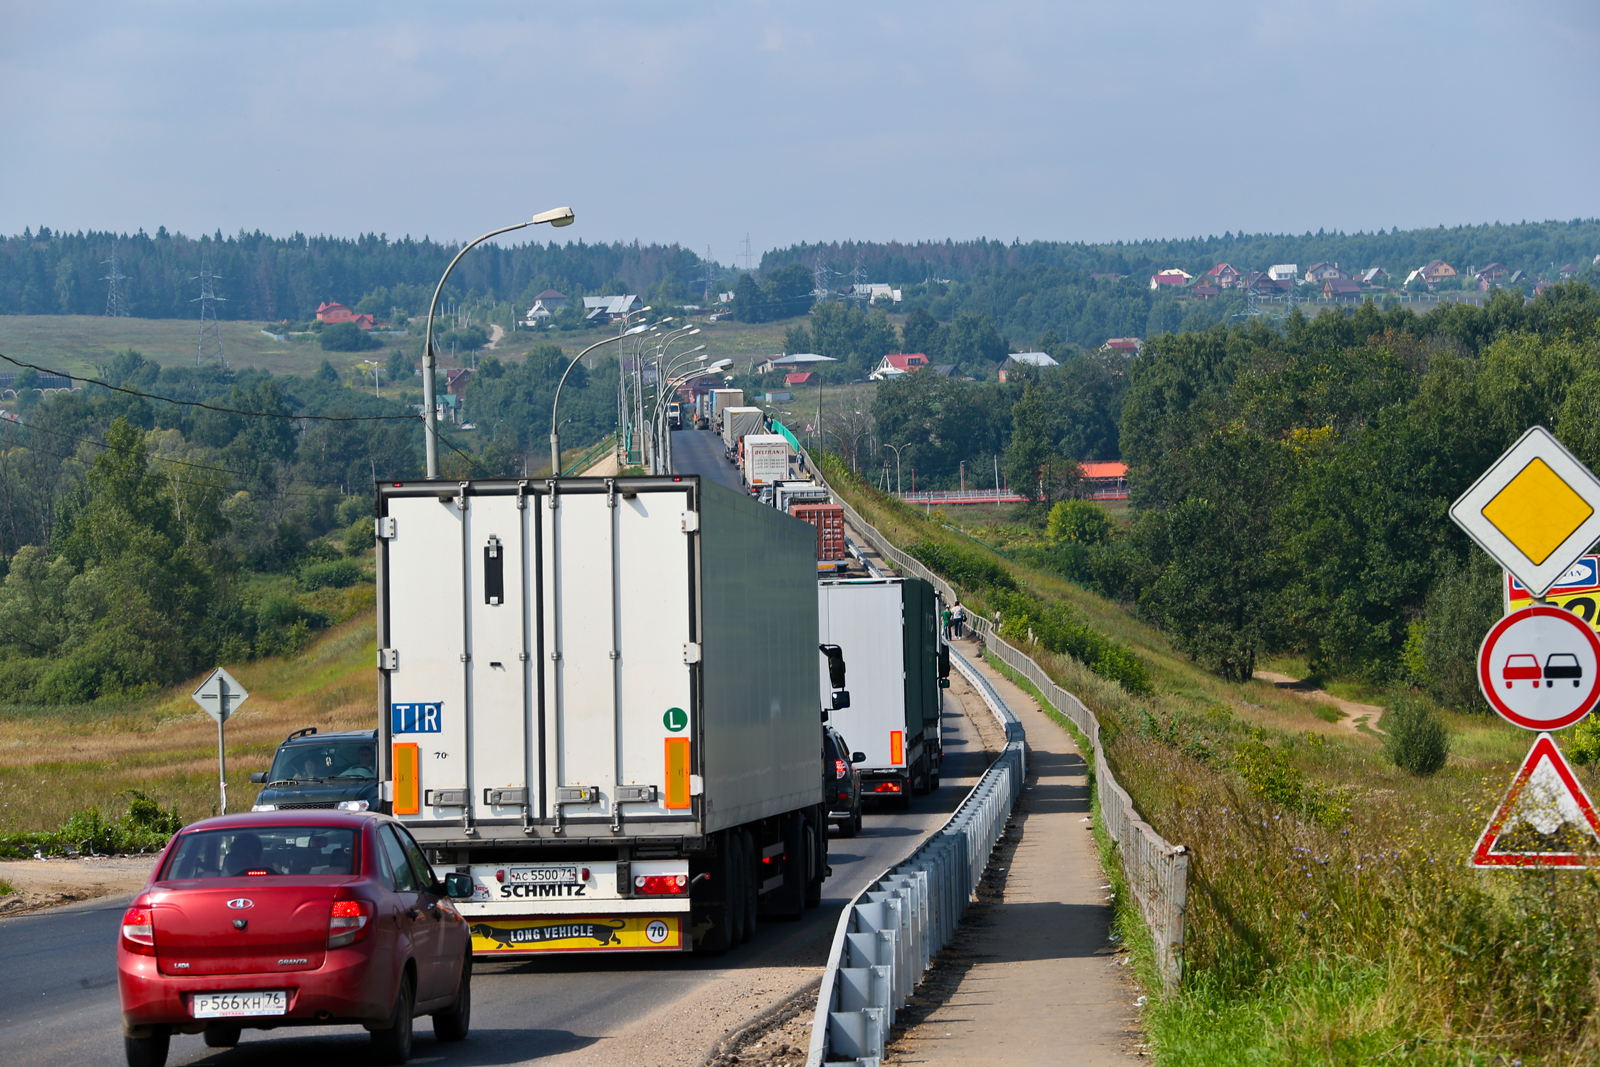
(698, 123)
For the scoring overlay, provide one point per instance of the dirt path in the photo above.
(40, 884)
(495, 333)
(1353, 716)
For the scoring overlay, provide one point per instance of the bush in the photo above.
(145, 827)
(335, 574)
(1418, 741)
(962, 566)
(1583, 744)
(1082, 521)
(1051, 626)
(344, 337)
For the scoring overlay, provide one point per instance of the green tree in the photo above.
(344, 337)
(974, 345)
(1029, 451)
(1080, 521)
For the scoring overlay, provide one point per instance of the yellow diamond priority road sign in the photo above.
(1536, 510)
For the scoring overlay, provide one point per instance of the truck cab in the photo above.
(322, 770)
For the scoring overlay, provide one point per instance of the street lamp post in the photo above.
(898, 487)
(555, 427)
(561, 216)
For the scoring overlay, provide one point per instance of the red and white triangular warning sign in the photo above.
(1546, 820)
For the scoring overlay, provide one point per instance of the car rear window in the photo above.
(264, 851)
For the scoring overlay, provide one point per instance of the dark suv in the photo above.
(841, 782)
(312, 770)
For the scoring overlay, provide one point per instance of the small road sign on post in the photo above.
(1536, 510)
(1546, 819)
(221, 696)
(1540, 668)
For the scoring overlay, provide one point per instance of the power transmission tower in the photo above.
(116, 303)
(858, 274)
(747, 254)
(819, 275)
(210, 343)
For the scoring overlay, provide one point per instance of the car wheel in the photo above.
(452, 1023)
(148, 1051)
(221, 1035)
(847, 826)
(855, 822)
(392, 1044)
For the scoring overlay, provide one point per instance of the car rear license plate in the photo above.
(543, 876)
(248, 1002)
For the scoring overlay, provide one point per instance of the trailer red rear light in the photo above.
(887, 787)
(661, 884)
(840, 768)
(139, 931)
(500, 875)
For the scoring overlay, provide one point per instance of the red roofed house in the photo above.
(1170, 276)
(1341, 289)
(896, 365)
(1223, 276)
(798, 378)
(456, 381)
(1123, 344)
(339, 313)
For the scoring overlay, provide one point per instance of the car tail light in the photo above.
(661, 884)
(887, 787)
(840, 768)
(139, 931)
(347, 923)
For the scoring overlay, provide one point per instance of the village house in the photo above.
(1223, 276)
(333, 312)
(1373, 277)
(1123, 344)
(1283, 272)
(545, 304)
(1318, 273)
(1172, 276)
(610, 308)
(1433, 272)
(799, 378)
(1341, 289)
(1018, 360)
(896, 365)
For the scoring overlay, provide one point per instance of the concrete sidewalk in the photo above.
(1030, 977)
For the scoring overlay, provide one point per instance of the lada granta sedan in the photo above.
(294, 918)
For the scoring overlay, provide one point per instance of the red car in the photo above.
(293, 918)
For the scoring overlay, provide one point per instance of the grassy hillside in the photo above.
(57, 760)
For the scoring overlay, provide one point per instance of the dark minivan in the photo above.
(312, 770)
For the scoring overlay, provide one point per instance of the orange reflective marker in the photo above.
(677, 773)
(897, 747)
(407, 779)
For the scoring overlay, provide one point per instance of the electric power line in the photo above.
(210, 343)
(208, 407)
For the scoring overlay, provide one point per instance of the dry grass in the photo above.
(56, 761)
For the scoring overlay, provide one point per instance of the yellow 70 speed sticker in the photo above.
(578, 933)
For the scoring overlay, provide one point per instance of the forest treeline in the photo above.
(1291, 485)
(269, 279)
(1529, 246)
(144, 540)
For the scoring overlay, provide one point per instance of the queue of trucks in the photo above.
(603, 699)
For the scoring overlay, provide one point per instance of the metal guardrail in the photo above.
(585, 461)
(1157, 870)
(890, 932)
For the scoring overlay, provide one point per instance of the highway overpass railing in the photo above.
(1157, 871)
(890, 932)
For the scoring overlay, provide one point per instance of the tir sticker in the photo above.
(416, 718)
(577, 934)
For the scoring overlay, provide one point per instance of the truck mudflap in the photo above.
(530, 935)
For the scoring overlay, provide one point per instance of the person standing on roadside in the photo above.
(944, 622)
(958, 620)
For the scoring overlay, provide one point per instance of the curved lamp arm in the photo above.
(555, 430)
(561, 216)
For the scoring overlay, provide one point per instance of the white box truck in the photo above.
(888, 632)
(738, 422)
(721, 400)
(764, 460)
(600, 699)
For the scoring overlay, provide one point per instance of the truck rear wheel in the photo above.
(816, 866)
(744, 887)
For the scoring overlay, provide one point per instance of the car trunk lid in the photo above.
(242, 926)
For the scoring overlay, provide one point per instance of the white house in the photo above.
(1025, 359)
(610, 308)
(1283, 272)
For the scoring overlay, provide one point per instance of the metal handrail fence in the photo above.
(1157, 870)
(890, 932)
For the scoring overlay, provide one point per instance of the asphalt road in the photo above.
(58, 997)
(700, 452)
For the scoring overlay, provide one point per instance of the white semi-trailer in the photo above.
(737, 423)
(888, 631)
(600, 699)
(763, 460)
(721, 400)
